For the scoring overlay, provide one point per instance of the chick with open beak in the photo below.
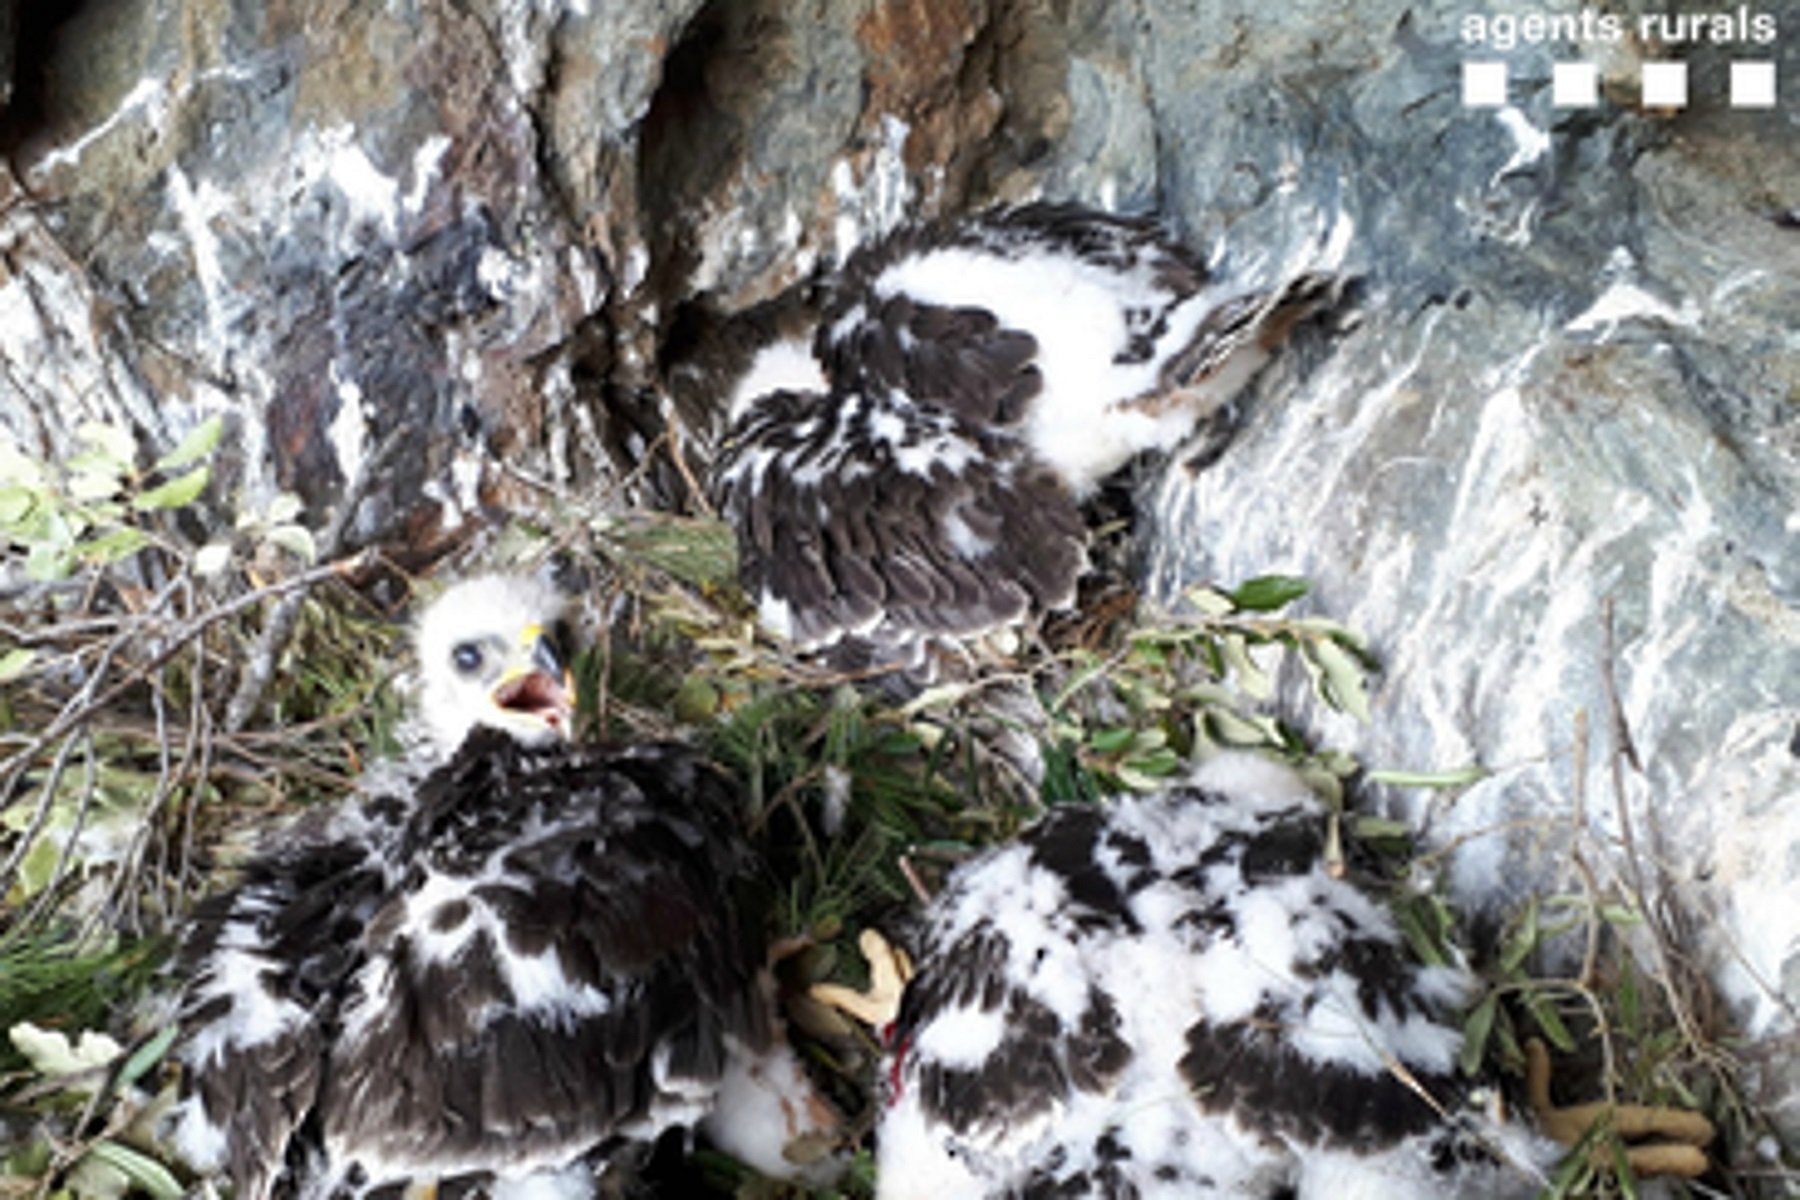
(505, 965)
(489, 655)
(535, 686)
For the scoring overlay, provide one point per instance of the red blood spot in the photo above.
(894, 1087)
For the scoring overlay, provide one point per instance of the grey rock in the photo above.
(1572, 393)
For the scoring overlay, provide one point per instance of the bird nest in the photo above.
(166, 695)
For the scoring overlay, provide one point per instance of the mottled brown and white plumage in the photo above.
(868, 520)
(504, 963)
(1173, 997)
(915, 474)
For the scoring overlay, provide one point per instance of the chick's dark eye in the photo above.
(466, 656)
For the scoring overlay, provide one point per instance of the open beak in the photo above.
(540, 688)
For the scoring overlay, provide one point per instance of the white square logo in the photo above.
(1574, 85)
(1753, 84)
(1665, 85)
(1484, 84)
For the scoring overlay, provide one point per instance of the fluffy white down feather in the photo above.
(1174, 997)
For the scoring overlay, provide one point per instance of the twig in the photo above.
(1581, 765)
(1624, 751)
(1590, 955)
(122, 905)
(39, 818)
(1616, 709)
(27, 636)
(74, 713)
(190, 819)
(47, 895)
(516, 472)
(913, 881)
(125, 904)
(200, 743)
(259, 668)
(617, 490)
(672, 439)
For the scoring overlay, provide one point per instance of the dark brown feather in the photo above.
(523, 975)
(849, 524)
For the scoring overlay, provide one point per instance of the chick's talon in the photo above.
(890, 970)
(1682, 1132)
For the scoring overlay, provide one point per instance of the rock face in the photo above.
(1573, 386)
(1573, 394)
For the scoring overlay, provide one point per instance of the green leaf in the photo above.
(1630, 1001)
(17, 503)
(139, 1168)
(1414, 919)
(93, 479)
(1208, 695)
(297, 540)
(1150, 739)
(1325, 785)
(1684, 1095)
(1380, 828)
(1210, 601)
(1266, 593)
(1621, 914)
(201, 441)
(1549, 1021)
(1343, 678)
(16, 662)
(696, 700)
(51, 1054)
(1507, 1039)
(1622, 1170)
(1138, 781)
(1065, 781)
(897, 744)
(29, 1161)
(113, 545)
(147, 1055)
(1159, 763)
(1523, 941)
(1476, 1028)
(46, 521)
(1250, 677)
(37, 868)
(1454, 777)
(1575, 1173)
(1234, 730)
(1214, 659)
(103, 512)
(1335, 630)
(1111, 741)
(176, 493)
(110, 443)
(49, 561)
